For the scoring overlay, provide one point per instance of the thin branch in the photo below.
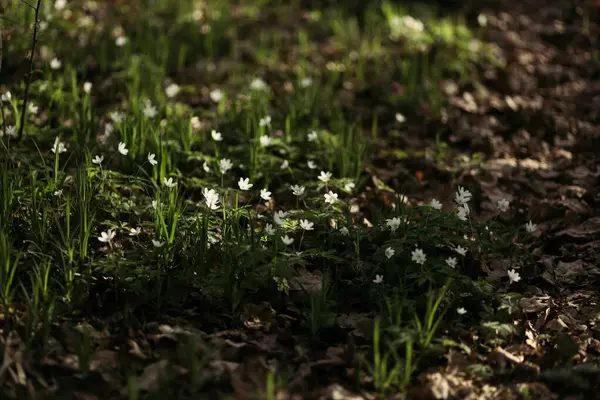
(1, 102)
(26, 97)
(26, 3)
(10, 20)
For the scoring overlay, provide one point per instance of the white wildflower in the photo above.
(460, 250)
(451, 262)
(389, 252)
(211, 198)
(107, 236)
(169, 182)
(298, 190)
(503, 205)
(123, 148)
(245, 184)
(172, 90)
(513, 276)
(279, 217)
(435, 204)
(325, 176)
(418, 256)
(393, 223)
(287, 240)
(306, 225)
(462, 196)
(225, 165)
(217, 136)
(331, 197)
(265, 194)
(151, 159)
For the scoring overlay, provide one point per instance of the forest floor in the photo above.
(122, 276)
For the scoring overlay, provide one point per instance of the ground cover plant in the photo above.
(264, 199)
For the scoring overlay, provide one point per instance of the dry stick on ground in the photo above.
(34, 41)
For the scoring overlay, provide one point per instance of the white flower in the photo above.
(265, 194)
(331, 197)
(216, 95)
(460, 250)
(151, 159)
(325, 176)
(245, 184)
(172, 90)
(400, 118)
(349, 186)
(169, 182)
(135, 231)
(58, 192)
(287, 240)
(389, 252)
(55, 63)
(306, 82)
(258, 84)
(463, 212)
(217, 136)
(482, 19)
(150, 111)
(107, 236)
(503, 205)
(121, 41)
(462, 196)
(269, 229)
(6, 96)
(205, 166)
(225, 165)
(298, 190)
(154, 204)
(393, 223)
(265, 140)
(196, 123)
(312, 136)
(530, 227)
(58, 146)
(451, 261)
(87, 87)
(279, 217)
(116, 116)
(378, 279)
(435, 204)
(157, 243)
(33, 108)
(306, 225)
(211, 198)
(60, 5)
(461, 311)
(98, 160)
(123, 148)
(513, 276)
(418, 256)
(285, 164)
(311, 164)
(11, 131)
(344, 231)
(265, 121)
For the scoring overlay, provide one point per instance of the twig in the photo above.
(1, 102)
(27, 4)
(26, 97)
